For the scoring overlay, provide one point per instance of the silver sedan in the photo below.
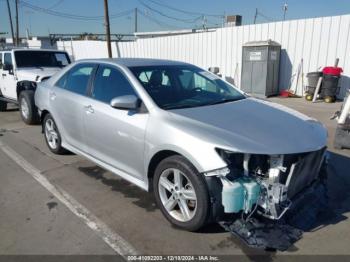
(201, 145)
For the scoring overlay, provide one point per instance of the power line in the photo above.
(156, 21)
(258, 13)
(189, 21)
(56, 4)
(266, 17)
(183, 11)
(72, 16)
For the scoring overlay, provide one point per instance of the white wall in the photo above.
(36, 43)
(86, 49)
(319, 41)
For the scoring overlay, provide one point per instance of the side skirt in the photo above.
(8, 100)
(140, 183)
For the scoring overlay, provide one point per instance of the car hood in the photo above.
(36, 74)
(252, 126)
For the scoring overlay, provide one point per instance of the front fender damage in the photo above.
(270, 223)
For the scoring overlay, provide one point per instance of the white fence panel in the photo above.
(318, 41)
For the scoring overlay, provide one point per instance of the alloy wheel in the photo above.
(177, 194)
(51, 133)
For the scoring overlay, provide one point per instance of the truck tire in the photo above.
(184, 201)
(3, 106)
(27, 108)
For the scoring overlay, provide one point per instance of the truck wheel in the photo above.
(3, 106)
(52, 136)
(181, 193)
(27, 108)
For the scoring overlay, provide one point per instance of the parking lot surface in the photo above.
(34, 220)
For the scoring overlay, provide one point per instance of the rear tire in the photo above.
(27, 108)
(184, 202)
(3, 106)
(53, 136)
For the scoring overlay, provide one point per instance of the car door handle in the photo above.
(89, 109)
(52, 95)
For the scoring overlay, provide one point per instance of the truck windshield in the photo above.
(41, 59)
(184, 86)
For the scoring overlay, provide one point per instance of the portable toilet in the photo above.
(260, 68)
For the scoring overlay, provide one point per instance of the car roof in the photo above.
(132, 62)
(37, 50)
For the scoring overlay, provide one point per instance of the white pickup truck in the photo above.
(20, 71)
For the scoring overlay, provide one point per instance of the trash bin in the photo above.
(312, 79)
(331, 76)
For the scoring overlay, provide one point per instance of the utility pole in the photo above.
(256, 15)
(11, 25)
(204, 22)
(108, 30)
(285, 8)
(17, 25)
(136, 20)
(224, 20)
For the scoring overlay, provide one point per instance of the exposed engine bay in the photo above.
(265, 186)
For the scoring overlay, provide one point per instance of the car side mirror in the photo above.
(128, 102)
(7, 67)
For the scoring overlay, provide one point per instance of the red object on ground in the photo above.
(284, 93)
(331, 70)
(287, 93)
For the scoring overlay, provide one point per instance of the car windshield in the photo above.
(184, 86)
(41, 59)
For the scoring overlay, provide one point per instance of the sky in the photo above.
(154, 15)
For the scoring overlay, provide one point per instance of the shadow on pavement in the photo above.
(142, 198)
(338, 185)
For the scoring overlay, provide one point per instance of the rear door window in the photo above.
(76, 80)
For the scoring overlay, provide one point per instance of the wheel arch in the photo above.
(161, 155)
(42, 116)
(25, 85)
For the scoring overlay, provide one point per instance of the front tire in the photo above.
(52, 136)
(181, 193)
(27, 108)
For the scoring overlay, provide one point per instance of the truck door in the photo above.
(8, 79)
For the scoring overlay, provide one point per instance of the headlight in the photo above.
(231, 158)
(240, 163)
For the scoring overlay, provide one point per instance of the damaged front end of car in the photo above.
(254, 196)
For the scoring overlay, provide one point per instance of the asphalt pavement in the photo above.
(53, 204)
